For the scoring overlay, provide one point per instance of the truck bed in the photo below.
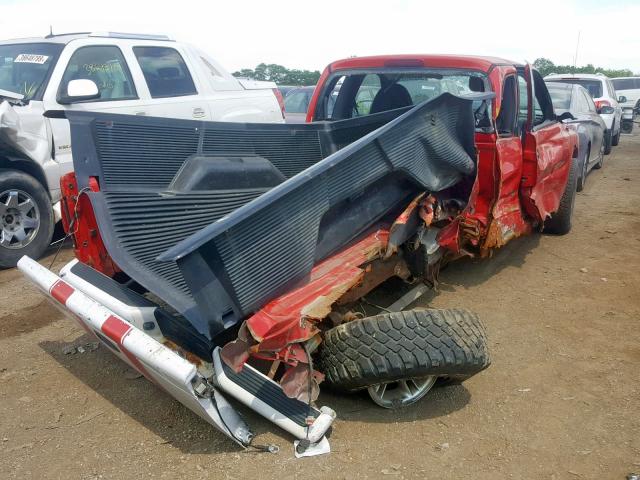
(216, 219)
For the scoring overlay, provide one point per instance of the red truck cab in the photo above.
(524, 153)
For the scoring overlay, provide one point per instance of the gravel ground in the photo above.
(559, 401)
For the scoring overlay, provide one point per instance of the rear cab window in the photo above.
(106, 67)
(165, 72)
(357, 93)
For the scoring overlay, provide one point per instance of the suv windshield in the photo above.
(356, 94)
(25, 67)
(594, 87)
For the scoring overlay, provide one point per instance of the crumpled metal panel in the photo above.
(344, 178)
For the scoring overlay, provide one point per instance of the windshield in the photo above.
(25, 67)
(594, 87)
(560, 96)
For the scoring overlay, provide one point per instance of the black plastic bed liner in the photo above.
(218, 218)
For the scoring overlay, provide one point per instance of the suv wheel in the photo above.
(26, 217)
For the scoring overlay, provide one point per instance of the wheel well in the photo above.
(27, 166)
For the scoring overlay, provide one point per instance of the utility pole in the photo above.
(575, 57)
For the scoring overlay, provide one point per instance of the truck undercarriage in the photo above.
(245, 262)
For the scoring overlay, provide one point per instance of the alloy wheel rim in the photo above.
(402, 392)
(19, 219)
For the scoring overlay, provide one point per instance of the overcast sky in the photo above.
(309, 35)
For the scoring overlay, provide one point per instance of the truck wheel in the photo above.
(26, 217)
(560, 221)
(399, 355)
(607, 141)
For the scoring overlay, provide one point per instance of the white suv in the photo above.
(109, 72)
(629, 87)
(604, 96)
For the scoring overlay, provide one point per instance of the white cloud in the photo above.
(311, 34)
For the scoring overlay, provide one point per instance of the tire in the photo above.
(607, 141)
(23, 200)
(402, 345)
(600, 163)
(627, 126)
(615, 140)
(582, 179)
(560, 222)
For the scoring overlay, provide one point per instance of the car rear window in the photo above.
(594, 87)
(560, 96)
(626, 83)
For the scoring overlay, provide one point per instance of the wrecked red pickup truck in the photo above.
(254, 260)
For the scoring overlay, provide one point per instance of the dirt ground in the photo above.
(560, 401)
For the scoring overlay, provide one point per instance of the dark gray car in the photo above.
(590, 126)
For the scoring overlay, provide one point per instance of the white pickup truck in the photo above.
(111, 72)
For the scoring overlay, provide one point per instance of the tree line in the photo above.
(279, 74)
(546, 66)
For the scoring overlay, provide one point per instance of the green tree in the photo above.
(281, 75)
(546, 66)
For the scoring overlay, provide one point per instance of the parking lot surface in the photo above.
(560, 400)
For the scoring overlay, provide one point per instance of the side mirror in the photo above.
(622, 99)
(80, 90)
(565, 116)
(606, 110)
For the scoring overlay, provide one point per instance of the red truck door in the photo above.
(548, 148)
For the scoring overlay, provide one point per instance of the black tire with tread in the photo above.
(560, 221)
(400, 345)
(16, 179)
(615, 139)
(582, 179)
(608, 137)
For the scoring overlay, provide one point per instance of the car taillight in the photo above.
(278, 95)
(602, 103)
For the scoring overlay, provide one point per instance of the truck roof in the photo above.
(431, 60)
(65, 38)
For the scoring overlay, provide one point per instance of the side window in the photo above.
(508, 116)
(591, 107)
(522, 105)
(165, 72)
(106, 67)
(369, 87)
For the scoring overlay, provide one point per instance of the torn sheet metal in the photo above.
(24, 136)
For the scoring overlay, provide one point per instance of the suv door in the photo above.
(548, 149)
(171, 87)
(106, 66)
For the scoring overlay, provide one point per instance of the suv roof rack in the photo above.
(134, 36)
(54, 35)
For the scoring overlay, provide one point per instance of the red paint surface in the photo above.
(116, 329)
(278, 324)
(61, 291)
(87, 242)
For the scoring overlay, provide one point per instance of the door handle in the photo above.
(198, 112)
(141, 113)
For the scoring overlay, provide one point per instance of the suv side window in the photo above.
(106, 67)
(165, 72)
